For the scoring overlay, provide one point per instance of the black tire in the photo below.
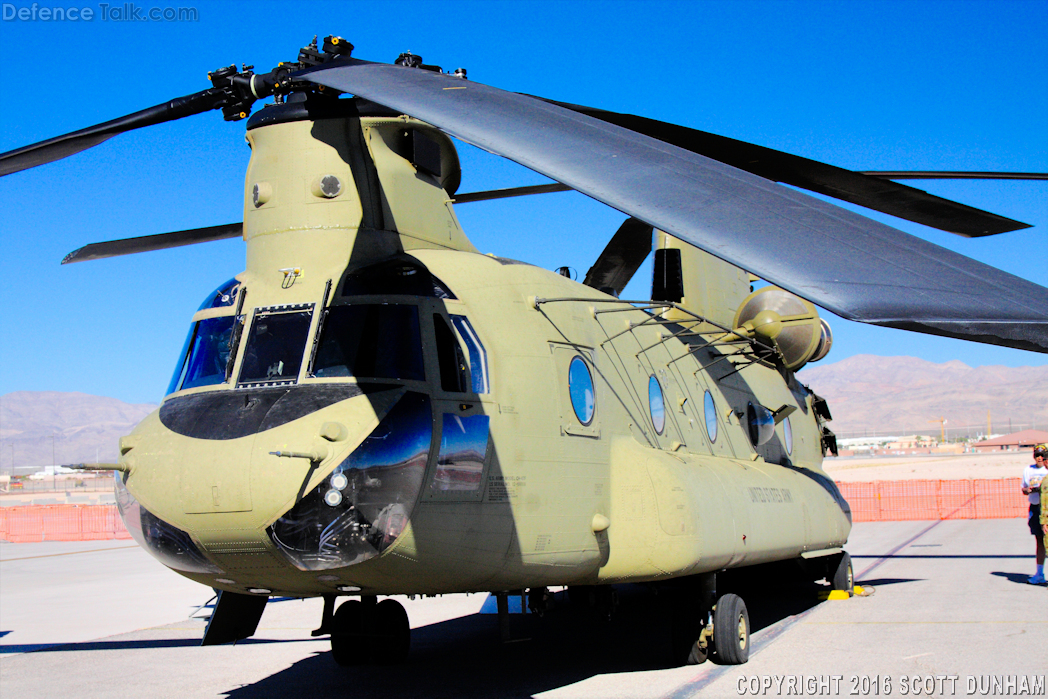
(346, 634)
(698, 654)
(844, 577)
(391, 632)
(731, 630)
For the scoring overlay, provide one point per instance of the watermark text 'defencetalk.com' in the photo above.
(105, 12)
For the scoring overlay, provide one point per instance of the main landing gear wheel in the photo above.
(370, 633)
(731, 630)
(844, 577)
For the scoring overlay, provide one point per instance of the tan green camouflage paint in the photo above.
(561, 503)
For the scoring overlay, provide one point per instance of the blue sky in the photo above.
(870, 85)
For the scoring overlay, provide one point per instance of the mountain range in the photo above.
(866, 394)
(86, 428)
(906, 395)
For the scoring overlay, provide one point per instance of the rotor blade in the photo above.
(954, 175)
(468, 197)
(855, 267)
(871, 190)
(624, 254)
(68, 144)
(161, 241)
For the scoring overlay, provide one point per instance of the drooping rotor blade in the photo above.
(855, 267)
(161, 241)
(68, 144)
(488, 195)
(953, 175)
(624, 254)
(234, 91)
(873, 190)
(468, 197)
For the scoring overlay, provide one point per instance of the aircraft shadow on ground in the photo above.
(119, 645)
(464, 657)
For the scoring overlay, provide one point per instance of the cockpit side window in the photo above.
(454, 372)
(275, 344)
(378, 341)
(205, 354)
(180, 369)
(395, 278)
(478, 358)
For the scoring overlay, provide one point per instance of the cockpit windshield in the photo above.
(370, 340)
(275, 344)
(205, 355)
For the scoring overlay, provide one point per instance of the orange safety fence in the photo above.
(877, 501)
(30, 523)
(974, 498)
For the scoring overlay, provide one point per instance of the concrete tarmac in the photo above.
(99, 619)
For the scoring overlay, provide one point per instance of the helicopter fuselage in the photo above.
(374, 407)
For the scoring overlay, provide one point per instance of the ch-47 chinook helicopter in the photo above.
(374, 408)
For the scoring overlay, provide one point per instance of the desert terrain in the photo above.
(933, 466)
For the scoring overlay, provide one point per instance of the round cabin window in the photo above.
(656, 405)
(580, 388)
(787, 435)
(761, 422)
(710, 412)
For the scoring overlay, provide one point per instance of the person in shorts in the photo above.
(1033, 477)
(1044, 511)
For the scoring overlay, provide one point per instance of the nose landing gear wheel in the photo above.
(347, 634)
(392, 632)
(731, 630)
(372, 633)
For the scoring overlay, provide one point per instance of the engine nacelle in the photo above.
(787, 320)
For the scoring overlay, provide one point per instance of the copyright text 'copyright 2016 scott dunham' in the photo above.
(891, 685)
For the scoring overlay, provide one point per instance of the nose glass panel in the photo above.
(169, 545)
(359, 510)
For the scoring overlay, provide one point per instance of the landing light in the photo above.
(259, 591)
(339, 482)
(348, 588)
(333, 498)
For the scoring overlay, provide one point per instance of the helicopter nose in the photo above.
(223, 466)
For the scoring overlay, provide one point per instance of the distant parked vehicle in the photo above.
(51, 472)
